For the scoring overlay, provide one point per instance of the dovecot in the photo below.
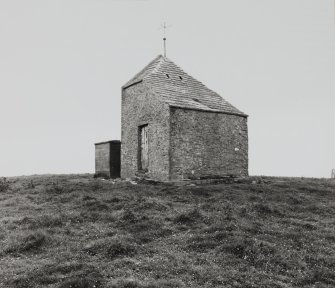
(174, 127)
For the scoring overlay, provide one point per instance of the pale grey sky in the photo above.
(63, 62)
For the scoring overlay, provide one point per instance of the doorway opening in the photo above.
(143, 148)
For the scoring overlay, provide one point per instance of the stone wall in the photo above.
(102, 159)
(207, 144)
(140, 106)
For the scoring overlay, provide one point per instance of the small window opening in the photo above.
(167, 75)
(181, 78)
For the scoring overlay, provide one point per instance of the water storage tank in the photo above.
(108, 159)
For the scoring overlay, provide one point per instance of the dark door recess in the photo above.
(115, 159)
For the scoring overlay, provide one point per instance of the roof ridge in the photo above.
(159, 64)
(177, 87)
(134, 78)
(196, 80)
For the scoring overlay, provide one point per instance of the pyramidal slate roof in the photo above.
(178, 89)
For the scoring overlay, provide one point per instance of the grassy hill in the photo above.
(76, 231)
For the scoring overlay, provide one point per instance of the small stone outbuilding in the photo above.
(107, 159)
(175, 128)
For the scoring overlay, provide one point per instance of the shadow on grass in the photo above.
(66, 275)
(143, 228)
(87, 280)
(259, 254)
(318, 275)
(112, 248)
(45, 221)
(153, 284)
(188, 218)
(95, 205)
(31, 242)
(265, 209)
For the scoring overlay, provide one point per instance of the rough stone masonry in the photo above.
(192, 132)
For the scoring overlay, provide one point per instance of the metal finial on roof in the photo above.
(164, 27)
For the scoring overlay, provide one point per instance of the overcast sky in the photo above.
(63, 62)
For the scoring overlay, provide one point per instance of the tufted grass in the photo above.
(76, 231)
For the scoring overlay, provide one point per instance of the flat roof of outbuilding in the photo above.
(110, 141)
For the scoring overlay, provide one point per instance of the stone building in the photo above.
(174, 127)
(107, 159)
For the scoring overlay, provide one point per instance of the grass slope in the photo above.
(76, 231)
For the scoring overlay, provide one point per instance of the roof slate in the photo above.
(178, 89)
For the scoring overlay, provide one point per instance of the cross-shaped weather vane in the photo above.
(164, 27)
